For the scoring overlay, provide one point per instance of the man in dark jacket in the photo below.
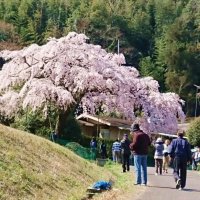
(139, 146)
(126, 152)
(180, 153)
(103, 150)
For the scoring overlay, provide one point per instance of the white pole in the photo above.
(196, 103)
(197, 88)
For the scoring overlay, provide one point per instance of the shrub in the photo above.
(34, 122)
(71, 130)
(85, 141)
(193, 132)
(79, 150)
(30, 122)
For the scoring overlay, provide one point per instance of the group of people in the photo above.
(93, 147)
(177, 152)
(121, 152)
(138, 147)
(161, 156)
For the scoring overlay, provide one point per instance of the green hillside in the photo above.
(34, 168)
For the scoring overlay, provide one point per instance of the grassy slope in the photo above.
(34, 168)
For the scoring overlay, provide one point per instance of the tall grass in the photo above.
(32, 167)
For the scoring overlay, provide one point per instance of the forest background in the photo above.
(160, 38)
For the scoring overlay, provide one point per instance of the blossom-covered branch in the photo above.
(69, 72)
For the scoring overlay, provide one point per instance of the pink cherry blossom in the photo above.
(68, 72)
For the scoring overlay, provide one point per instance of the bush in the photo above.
(79, 150)
(32, 122)
(37, 123)
(71, 131)
(85, 141)
(193, 132)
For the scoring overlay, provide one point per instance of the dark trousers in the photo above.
(180, 170)
(159, 164)
(125, 162)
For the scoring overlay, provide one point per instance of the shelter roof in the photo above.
(109, 121)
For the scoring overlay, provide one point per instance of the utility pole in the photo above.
(197, 88)
(118, 47)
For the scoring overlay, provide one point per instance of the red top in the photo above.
(140, 143)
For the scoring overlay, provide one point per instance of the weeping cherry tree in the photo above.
(69, 73)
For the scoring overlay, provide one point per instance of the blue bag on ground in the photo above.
(102, 185)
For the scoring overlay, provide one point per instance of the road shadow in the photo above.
(191, 190)
(173, 188)
(164, 187)
(151, 174)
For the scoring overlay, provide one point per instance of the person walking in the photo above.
(116, 151)
(103, 150)
(54, 136)
(166, 156)
(197, 154)
(158, 155)
(126, 152)
(180, 154)
(195, 157)
(93, 148)
(139, 146)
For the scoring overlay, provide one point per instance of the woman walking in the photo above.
(166, 156)
(158, 155)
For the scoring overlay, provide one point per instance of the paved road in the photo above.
(163, 187)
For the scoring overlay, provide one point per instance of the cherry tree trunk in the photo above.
(61, 123)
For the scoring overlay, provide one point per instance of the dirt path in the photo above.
(163, 187)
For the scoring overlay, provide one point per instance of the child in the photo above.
(166, 156)
(158, 156)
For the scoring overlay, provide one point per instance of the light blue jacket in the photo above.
(159, 147)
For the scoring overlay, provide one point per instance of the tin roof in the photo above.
(109, 121)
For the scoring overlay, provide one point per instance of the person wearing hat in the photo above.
(180, 154)
(139, 146)
(158, 155)
(126, 152)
